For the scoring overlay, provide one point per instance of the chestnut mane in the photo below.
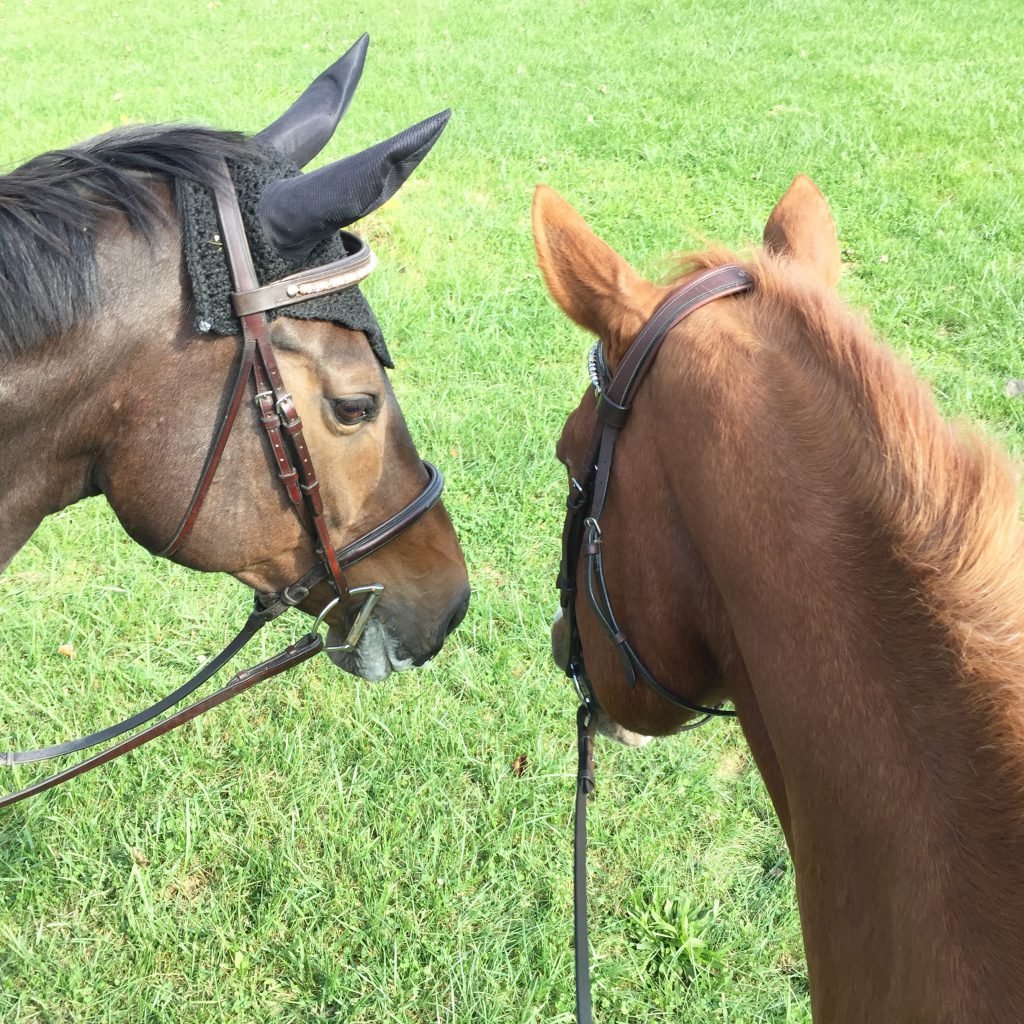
(946, 496)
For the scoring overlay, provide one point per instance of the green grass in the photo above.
(327, 849)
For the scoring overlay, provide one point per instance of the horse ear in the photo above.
(297, 213)
(308, 124)
(801, 228)
(592, 283)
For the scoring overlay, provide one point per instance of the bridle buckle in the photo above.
(587, 701)
(295, 594)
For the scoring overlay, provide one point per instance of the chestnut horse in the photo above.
(115, 372)
(791, 525)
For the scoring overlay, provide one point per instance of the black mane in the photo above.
(51, 206)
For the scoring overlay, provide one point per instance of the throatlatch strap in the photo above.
(581, 532)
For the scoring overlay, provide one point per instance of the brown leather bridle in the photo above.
(581, 535)
(283, 427)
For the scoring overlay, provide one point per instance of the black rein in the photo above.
(581, 535)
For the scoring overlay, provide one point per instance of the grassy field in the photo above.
(327, 849)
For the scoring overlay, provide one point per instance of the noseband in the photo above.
(581, 535)
(294, 466)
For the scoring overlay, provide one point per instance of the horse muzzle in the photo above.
(377, 644)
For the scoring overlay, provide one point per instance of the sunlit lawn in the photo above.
(328, 849)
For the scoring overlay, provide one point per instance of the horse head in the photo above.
(123, 389)
(668, 604)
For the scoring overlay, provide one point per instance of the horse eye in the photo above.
(353, 409)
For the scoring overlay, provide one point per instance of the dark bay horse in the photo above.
(792, 526)
(119, 345)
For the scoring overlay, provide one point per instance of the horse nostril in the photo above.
(457, 615)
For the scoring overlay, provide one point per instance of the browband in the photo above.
(310, 284)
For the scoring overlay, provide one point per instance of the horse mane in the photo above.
(52, 206)
(945, 496)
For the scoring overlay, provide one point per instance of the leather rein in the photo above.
(294, 466)
(581, 536)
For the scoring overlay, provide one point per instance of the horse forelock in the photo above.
(52, 208)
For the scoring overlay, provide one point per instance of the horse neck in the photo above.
(890, 737)
(61, 401)
(44, 433)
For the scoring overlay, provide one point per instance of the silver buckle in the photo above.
(587, 701)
